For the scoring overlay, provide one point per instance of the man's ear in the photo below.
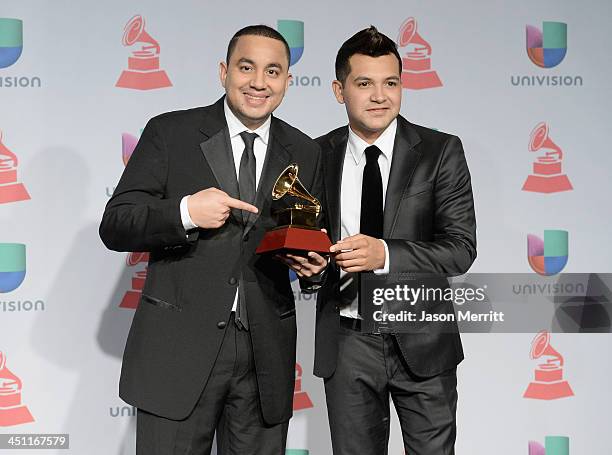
(289, 79)
(222, 73)
(337, 88)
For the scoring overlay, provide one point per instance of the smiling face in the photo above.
(255, 79)
(372, 94)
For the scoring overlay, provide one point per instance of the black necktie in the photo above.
(246, 185)
(372, 195)
(246, 176)
(371, 222)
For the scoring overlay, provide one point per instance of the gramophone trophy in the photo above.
(416, 63)
(547, 176)
(548, 383)
(132, 297)
(10, 189)
(143, 71)
(297, 230)
(12, 411)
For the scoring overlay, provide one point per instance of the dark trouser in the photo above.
(370, 368)
(229, 405)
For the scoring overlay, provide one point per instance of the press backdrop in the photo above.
(62, 329)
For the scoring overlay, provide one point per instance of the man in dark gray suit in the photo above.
(212, 343)
(399, 199)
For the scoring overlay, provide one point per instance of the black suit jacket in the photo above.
(191, 281)
(429, 227)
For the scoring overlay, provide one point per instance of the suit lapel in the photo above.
(404, 161)
(334, 163)
(277, 159)
(217, 149)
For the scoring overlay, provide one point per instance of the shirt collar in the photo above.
(384, 142)
(236, 127)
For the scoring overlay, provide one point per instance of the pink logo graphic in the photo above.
(12, 412)
(128, 144)
(143, 71)
(553, 445)
(547, 176)
(132, 297)
(301, 400)
(548, 383)
(416, 62)
(10, 189)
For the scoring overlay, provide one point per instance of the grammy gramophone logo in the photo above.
(12, 411)
(417, 73)
(301, 400)
(143, 71)
(132, 297)
(547, 176)
(548, 383)
(10, 189)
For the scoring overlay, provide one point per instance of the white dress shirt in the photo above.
(350, 197)
(260, 146)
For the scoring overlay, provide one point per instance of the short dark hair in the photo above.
(368, 41)
(257, 30)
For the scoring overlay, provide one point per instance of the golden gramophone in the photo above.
(297, 229)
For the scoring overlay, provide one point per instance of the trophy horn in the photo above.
(288, 183)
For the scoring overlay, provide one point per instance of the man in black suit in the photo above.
(399, 199)
(212, 343)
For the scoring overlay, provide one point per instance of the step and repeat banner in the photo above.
(525, 85)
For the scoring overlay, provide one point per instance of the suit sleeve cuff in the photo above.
(188, 223)
(385, 269)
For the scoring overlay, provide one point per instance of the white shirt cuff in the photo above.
(385, 269)
(188, 223)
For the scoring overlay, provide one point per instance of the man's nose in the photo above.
(258, 81)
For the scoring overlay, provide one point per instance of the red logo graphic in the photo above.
(12, 412)
(547, 176)
(301, 400)
(548, 383)
(143, 71)
(132, 297)
(10, 190)
(417, 73)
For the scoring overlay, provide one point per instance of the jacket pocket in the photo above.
(419, 188)
(288, 314)
(160, 303)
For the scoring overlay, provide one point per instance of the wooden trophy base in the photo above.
(289, 239)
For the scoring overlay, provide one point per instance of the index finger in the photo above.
(238, 204)
(350, 238)
(343, 245)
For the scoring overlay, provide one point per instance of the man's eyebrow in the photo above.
(246, 60)
(275, 65)
(251, 62)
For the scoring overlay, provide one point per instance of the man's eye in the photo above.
(246, 67)
(391, 83)
(364, 84)
(273, 72)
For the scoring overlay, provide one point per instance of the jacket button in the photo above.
(221, 324)
(245, 238)
(232, 281)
